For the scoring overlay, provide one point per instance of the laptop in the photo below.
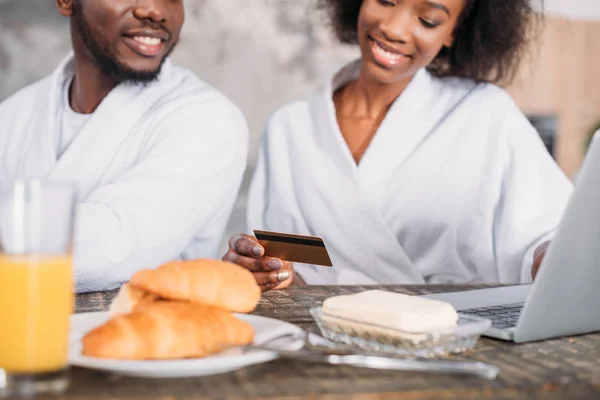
(564, 299)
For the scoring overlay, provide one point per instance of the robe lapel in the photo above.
(327, 131)
(417, 114)
(38, 157)
(90, 154)
(352, 218)
(351, 222)
(401, 131)
(405, 126)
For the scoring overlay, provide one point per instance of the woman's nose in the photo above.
(398, 26)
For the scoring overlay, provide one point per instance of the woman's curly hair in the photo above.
(491, 37)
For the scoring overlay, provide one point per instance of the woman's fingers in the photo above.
(276, 280)
(269, 281)
(254, 264)
(274, 277)
(246, 245)
(267, 287)
(269, 272)
(245, 250)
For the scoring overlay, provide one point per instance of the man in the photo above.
(157, 155)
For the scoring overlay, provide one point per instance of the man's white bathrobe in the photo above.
(158, 168)
(456, 186)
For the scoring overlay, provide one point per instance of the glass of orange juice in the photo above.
(36, 286)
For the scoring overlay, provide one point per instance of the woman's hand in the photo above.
(538, 256)
(270, 273)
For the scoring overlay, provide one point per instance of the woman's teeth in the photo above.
(147, 40)
(389, 57)
(387, 54)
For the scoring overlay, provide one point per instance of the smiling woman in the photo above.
(412, 165)
(480, 40)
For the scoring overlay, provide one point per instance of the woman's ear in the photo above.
(65, 7)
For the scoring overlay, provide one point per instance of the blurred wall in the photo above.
(561, 77)
(587, 10)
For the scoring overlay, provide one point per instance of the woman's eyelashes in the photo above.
(426, 22)
(429, 24)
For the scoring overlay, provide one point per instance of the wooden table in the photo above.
(555, 369)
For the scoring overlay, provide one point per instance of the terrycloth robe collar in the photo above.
(96, 144)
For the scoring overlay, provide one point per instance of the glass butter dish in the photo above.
(375, 338)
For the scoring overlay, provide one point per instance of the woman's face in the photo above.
(398, 37)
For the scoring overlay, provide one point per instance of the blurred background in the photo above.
(265, 53)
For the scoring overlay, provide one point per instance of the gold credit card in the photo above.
(294, 248)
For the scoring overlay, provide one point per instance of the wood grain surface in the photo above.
(567, 368)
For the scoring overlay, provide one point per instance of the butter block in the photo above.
(390, 312)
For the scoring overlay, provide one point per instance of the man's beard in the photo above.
(107, 63)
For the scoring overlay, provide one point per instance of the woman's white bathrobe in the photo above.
(158, 168)
(456, 186)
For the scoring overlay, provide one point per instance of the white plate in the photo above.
(230, 360)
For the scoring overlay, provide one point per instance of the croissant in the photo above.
(167, 330)
(209, 282)
(128, 298)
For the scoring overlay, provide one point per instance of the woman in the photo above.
(412, 165)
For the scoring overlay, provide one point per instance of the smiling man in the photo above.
(158, 156)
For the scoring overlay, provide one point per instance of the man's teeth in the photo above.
(147, 40)
(387, 54)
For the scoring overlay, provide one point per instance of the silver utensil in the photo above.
(335, 354)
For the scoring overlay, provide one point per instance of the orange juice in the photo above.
(36, 300)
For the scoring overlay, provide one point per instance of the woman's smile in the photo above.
(387, 56)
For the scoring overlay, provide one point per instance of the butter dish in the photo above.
(398, 324)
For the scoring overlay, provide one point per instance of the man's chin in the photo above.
(139, 77)
(135, 76)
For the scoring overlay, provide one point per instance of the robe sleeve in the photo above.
(175, 200)
(533, 197)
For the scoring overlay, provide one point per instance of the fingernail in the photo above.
(283, 276)
(257, 250)
(275, 264)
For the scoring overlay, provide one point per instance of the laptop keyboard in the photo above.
(504, 316)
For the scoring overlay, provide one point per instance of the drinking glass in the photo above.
(36, 286)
